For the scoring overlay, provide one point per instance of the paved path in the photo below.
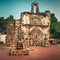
(38, 53)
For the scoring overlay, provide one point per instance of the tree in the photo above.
(57, 30)
(3, 23)
(55, 27)
(53, 20)
(10, 18)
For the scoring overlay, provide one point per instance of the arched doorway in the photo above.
(36, 36)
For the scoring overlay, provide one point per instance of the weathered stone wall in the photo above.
(10, 33)
(31, 20)
(32, 26)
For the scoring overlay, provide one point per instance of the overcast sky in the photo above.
(15, 7)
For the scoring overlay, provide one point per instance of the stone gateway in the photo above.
(31, 29)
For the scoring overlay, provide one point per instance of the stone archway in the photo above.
(36, 34)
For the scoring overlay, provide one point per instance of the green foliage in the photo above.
(3, 23)
(53, 21)
(57, 30)
(55, 27)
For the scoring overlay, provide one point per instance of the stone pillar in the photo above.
(10, 33)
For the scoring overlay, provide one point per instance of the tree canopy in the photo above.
(55, 27)
(3, 23)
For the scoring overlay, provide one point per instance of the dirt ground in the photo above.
(38, 53)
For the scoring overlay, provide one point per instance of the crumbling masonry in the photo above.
(31, 29)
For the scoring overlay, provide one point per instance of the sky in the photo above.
(16, 7)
